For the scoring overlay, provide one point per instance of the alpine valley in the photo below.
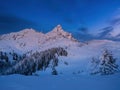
(57, 52)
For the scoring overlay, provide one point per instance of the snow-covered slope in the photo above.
(78, 60)
(22, 41)
(60, 82)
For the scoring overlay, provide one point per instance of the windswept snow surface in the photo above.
(60, 82)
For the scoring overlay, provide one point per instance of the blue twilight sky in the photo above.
(43, 15)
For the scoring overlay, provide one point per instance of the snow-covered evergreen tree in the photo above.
(105, 65)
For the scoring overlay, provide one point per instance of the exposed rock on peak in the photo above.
(58, 32)
(58, 28)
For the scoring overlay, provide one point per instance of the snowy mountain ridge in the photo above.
(29, 39)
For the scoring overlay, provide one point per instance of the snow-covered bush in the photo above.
(106, 65)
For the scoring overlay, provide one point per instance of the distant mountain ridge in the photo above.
(28, 39)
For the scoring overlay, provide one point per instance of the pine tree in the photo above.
(6, 57)
(1, 55)
(106, 65)
(15, 56)
(54, 71)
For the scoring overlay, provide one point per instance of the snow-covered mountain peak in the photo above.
(58, 28)
(23, 34)
(29, 39)
(29, 32)
(58, 32)
(26, 31)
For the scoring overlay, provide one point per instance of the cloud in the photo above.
(83, 29)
